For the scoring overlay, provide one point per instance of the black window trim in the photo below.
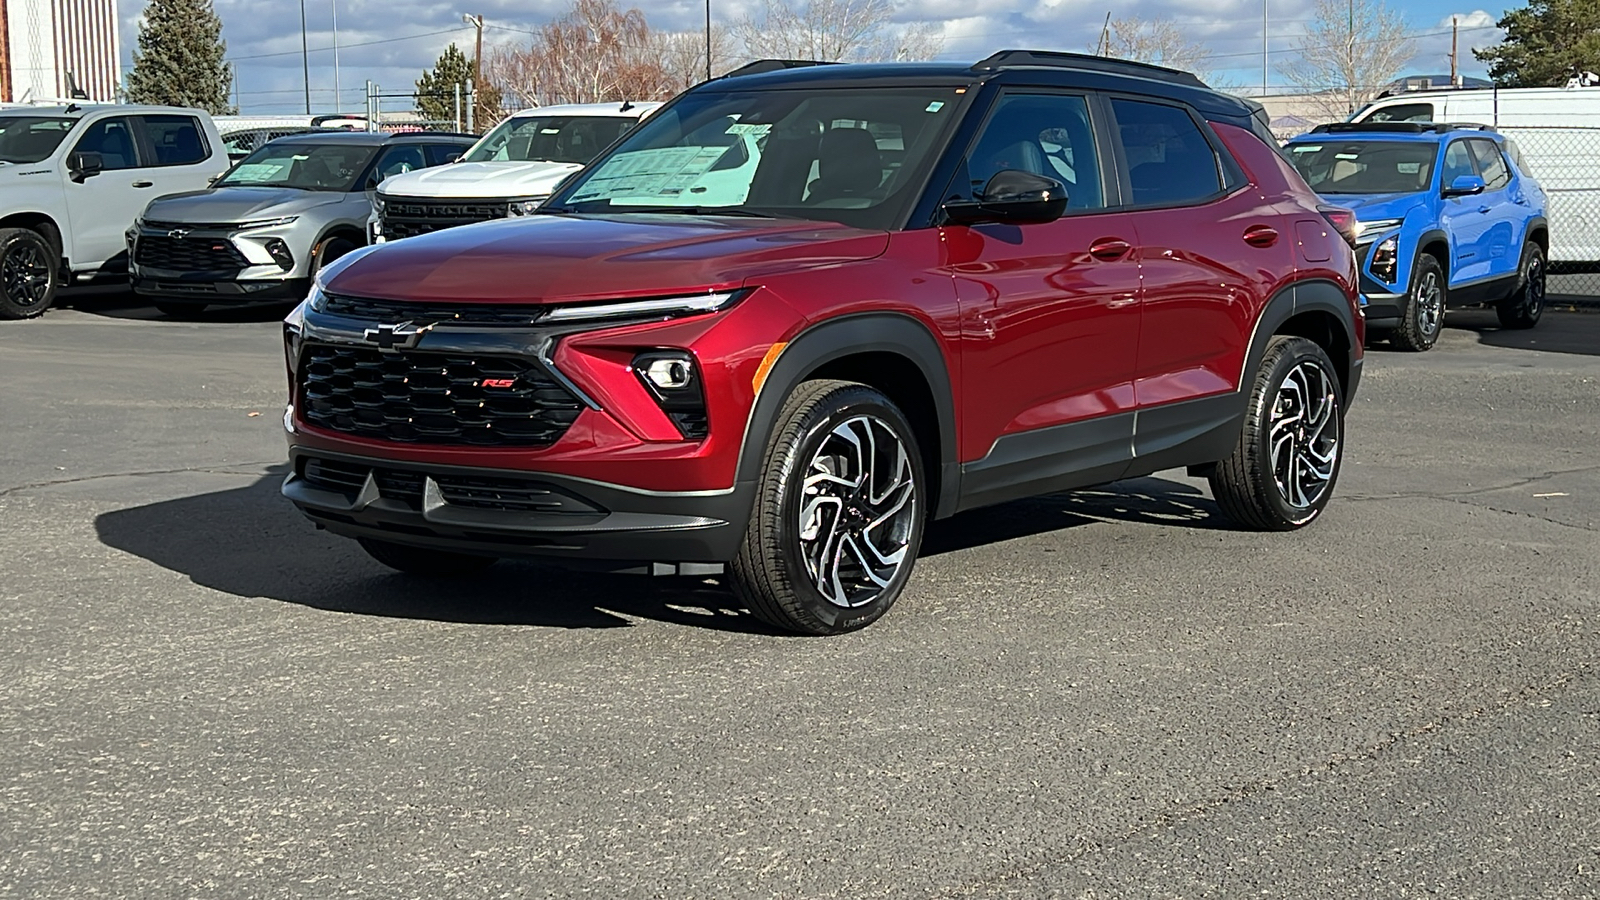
(1229, 173)
(1444, 150)
(1504, 163)
(147, 152)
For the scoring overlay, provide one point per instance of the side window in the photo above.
(400, 159)
(175, 140)
(113, 140)
(1046, 134)
(1457, 162)
(439, 154)
(1491, 164)
(1170, 162)
(1404, 112)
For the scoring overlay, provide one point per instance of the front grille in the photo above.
(189, 254)
(421, 313)
(407, 217)
(433, 398)
(498, 492)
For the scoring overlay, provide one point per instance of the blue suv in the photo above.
(1445, 216)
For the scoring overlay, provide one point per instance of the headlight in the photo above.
(661, 306)
(1377, 226)
(378, 205)
(317, 300)
(265, 223)
(1385, 259)
(523, 207)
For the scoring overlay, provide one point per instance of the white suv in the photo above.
(74, 178)
(507, 173)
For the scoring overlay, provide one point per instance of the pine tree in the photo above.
(179, 60)
(1547, 42)
(436, 90)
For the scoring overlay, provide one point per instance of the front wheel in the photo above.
(28, 273)
(1283, 468)
(1423, 318)
(424, 561)
(839, 512)
(1526, 304)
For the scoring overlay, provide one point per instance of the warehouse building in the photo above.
(57, 49)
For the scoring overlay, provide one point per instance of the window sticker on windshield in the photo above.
(935, 106)
(1307, 148)
(664, 171)
(263, 171)
(1408, 168)
(1347, 156)
(755, 128)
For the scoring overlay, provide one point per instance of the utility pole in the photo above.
(305, 56)
(5, 53)
(1455, 22)
(1350, 58)
(338, 101)
(708, 40)
(1263, 48)
(477, 62)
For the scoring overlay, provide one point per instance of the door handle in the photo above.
(144, 184)
(1109, 249)
(1261, 235)
(1484, 209)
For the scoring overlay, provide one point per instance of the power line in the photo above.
(409, 37)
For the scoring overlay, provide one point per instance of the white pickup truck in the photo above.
(73, 179)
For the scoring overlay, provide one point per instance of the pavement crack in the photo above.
(217, 469)
(1456, 495)
(1164, 821)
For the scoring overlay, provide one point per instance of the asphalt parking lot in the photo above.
(1101, 694)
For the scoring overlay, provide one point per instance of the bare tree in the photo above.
(1350, 50)
(596, 52)
(835, 30)
(682, 55)
(1158, 41)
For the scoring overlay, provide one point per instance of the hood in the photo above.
(562, 259)
(237, 204)
(1368, 207)
(480, 180)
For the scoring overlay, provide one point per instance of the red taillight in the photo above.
(1342, 220)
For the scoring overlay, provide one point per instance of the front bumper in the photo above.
(519, 513)
(215, 288)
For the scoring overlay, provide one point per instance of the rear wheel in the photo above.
(1283, 469)
(1423, 318)
(839, 512)
(424, 560)
(1526, 304)
(28, 273)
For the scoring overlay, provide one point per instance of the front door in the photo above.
(105, 205)
(1502, 243)
(1464, 219)
(1050, 314)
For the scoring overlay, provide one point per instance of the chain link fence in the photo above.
(400, 111)
(1564, 160)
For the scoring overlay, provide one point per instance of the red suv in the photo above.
(804, 309)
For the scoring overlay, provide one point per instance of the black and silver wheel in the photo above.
(1526, 304)
(1423, 317)
(839, 514)
(28, 273)
(425, 561)
(1283, 469)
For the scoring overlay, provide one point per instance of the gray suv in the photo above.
(263, 230)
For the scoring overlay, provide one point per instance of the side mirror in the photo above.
(84, 165)
(1466, 186)
(1014, 197)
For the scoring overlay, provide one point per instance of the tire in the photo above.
(1423, 318)
(1525, 305)
(329, 250)
(1267, 484)
(29, 273)
(425, 561)
(179, 310)
(802, 567)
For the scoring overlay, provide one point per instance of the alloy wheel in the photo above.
(1430, 303)
(26, 275)
(858, 508)
(1533, 296)
(1304, 435)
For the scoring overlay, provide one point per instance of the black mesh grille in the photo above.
(408, 217)
(420, 313)
(189, 254)
(433, 398)
(477, 491)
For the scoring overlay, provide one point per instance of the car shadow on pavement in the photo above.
(250, 542)
(118, 302)
(1557, 331)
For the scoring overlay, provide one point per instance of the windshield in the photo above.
(29, 139)
(858, 156)
(311, 167)
(568, 139)
(1365, 167)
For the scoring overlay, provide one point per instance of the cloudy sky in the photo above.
(392, 41)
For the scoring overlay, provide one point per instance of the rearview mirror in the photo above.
(1012, 196)
(84, 165)
(1466, 186)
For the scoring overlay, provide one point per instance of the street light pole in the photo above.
(337, 99)
(708, 40)
(1263, 48)
(305, 56)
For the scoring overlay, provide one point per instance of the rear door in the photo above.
(177, 152)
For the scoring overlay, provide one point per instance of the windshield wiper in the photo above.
(696, 211)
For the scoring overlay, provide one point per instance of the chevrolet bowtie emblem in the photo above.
(178, 234)
(396, 337)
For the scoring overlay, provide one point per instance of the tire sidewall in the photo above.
(11, 243)
(1425, 264)
(1297, 351)
(847, 403)
(1528, 311)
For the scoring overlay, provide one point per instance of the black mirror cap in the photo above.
(1015, 197)
(84, 164)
